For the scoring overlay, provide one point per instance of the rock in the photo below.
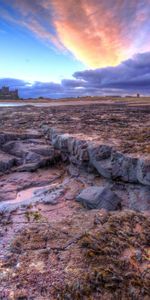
(32, 157)
(71, 143)
(81, 151)
(47, 195)
(56, 138)
(6, 162)
(143, 173)
(28, 167)
(44, 150)
(73, 150)
(34, 162)
(6, 208)
(73, 170)
(64, 142)
(133, 196)
(45, 128)
(10, 136)
(95, 197)
(124, 167)
(139, 198)
(107, 161)
(7, 136)
(27, 152)
(22, 149)
(100, 158)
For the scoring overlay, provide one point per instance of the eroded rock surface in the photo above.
(26, 151)
(105, 159)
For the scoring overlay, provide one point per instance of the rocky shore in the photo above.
(75, 202)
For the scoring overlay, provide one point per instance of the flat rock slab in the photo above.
(95, 197)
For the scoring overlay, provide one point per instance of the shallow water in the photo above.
(47, 194)
(14, 104)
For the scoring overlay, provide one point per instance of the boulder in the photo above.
(95, 197)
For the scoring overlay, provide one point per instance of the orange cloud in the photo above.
(99, 33)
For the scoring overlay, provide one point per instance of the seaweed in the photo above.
(109, 271)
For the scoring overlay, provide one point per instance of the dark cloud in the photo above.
(68, 83)
(12, 83)
(131, 76)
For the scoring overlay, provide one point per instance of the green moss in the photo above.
(33, 216)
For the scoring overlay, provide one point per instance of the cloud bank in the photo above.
(98, 33)
(130, 77)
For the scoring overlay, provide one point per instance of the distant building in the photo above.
(6, 94)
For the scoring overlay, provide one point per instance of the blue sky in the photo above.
(27, 57)
(56, 48)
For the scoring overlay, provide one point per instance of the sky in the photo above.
(71, 48)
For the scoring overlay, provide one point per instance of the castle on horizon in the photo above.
(6, 94)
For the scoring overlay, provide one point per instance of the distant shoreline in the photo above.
(83, 99)
(78, 101)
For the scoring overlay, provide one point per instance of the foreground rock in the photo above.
(27, 151)
(99, 197)
(109, 162)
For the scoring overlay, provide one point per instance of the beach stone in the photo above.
(95, 197)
